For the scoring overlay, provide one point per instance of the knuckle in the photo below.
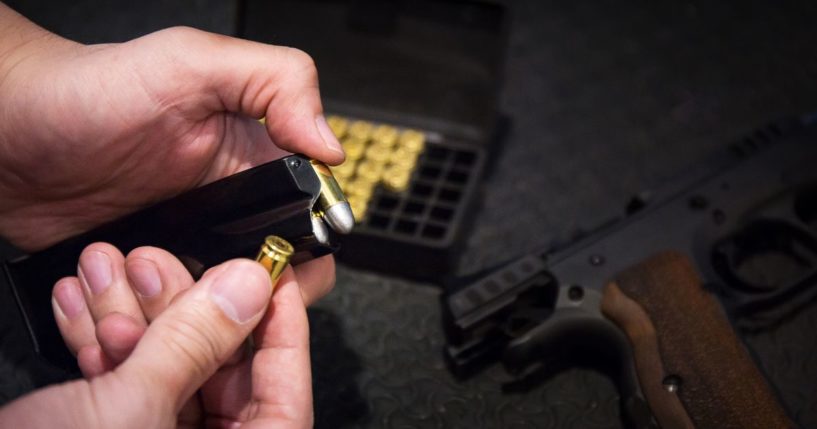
(181, 33)
(302, 63)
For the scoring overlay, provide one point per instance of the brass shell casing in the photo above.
(274, 256)
(338, 125)
(354, 147)
(331, 193)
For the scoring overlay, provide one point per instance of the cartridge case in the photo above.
(360, 129)
(274, 256)
(338, 125)
(384, 135)
(354, 147)
(412, 140)
(332, 205)
(359, 208)
(404, 158)
(396, 179)
(378, 153)
(345, 170)
(370, 171)
(360, 189)
(331, 193)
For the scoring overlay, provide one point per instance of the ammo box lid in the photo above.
(431, 64)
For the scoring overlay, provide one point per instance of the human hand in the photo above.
(90, 133)
(148, 355)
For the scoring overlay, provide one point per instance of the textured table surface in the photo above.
(606, 99)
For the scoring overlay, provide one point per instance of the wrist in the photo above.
(21, 39)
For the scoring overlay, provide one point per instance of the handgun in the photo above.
(294, 197)
(657, 292)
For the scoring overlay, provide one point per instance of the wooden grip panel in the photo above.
(680, 335)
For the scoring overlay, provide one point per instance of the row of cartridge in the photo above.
(376, 154)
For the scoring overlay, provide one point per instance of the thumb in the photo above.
(187, 343)
(260, 80)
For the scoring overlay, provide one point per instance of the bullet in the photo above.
(319, 229)
(360, 189)
(378, 153)
(338, 125)
(359, 208)
(332, 204)
(274, 256)
(345, 170)
(360, 129)
(396, 179)
(370, 171)
(403, 157)
(413, 140)
(385, 135)
(354, 148)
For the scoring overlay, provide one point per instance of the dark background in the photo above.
(606, 99)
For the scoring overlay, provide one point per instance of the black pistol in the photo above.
(656, 293)
(293, 197)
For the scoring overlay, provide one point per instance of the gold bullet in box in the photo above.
(354, 147)
(360, 129)
(338, 125)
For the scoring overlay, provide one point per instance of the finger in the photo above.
(261, 80)
(252, 136)
(93, 362)
(72, 316)
(316, 278)
(185, 345)
(156, 276)
(281, 374)
(118, 335)
(102, 274)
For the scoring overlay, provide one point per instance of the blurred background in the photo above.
(587, 104)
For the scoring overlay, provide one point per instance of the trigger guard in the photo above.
(576, 334)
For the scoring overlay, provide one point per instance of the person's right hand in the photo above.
(183, 345)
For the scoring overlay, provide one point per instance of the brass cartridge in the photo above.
(361, 189)
(345, 170)
(332, 205)
(396, 179)
(359, 207)
(403, 158)
(274, 256)
(370, 171)
(360, 129)
(354, 148)
(379, 153)
(413, 140)
(385, 135)
(338, 125)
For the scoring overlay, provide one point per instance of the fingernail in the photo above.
(144, 277)
(95, 271)
(328, 136)
(240, 293)
(69, 299)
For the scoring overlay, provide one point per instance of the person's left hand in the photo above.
(90, 133)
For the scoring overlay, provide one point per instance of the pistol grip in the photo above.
(691, 366)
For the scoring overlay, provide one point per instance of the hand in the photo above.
(183, 345)
(90, 133)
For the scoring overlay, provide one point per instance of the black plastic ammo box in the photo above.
(434, 66)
